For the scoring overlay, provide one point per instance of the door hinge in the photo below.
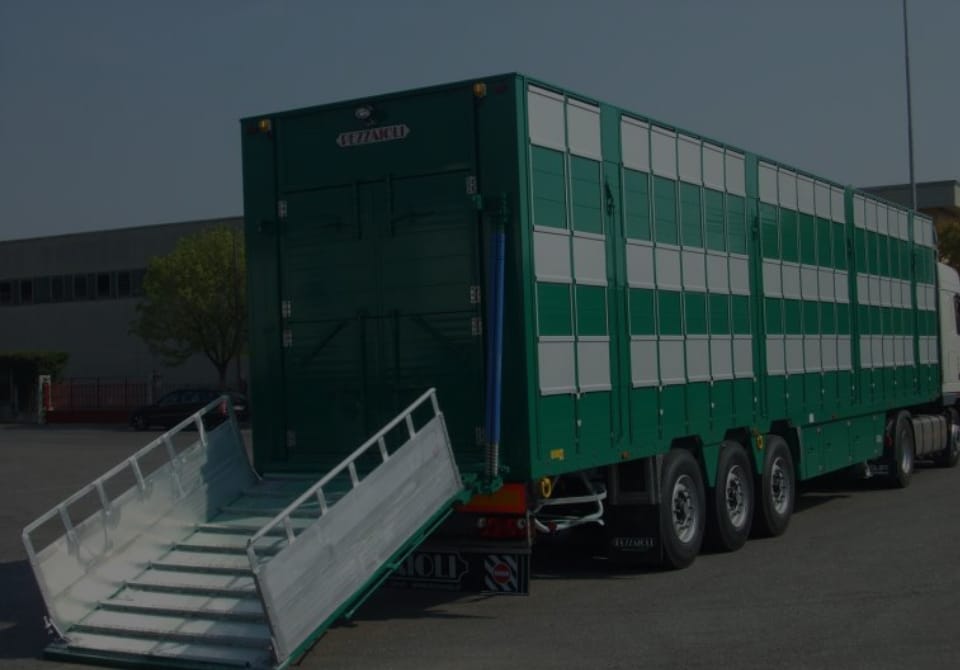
(281, 209)
(291, 439)
(286, 308)
(287, 338)
(476, 326)
(472, 185)
(474, 295)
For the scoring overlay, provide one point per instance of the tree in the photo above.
(194, 300)
(948, 241)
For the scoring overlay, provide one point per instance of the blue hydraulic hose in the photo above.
(495, 352)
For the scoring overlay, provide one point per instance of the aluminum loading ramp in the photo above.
(201, 562)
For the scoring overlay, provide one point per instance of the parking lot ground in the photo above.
(865, 577)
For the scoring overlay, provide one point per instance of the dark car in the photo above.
(176, 406)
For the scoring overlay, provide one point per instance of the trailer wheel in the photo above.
(682, 509)
(732, 502)
(948, 457)
(777, 489)
(903, 457)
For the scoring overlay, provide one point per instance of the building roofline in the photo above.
(121, 230)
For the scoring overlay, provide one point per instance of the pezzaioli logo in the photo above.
(355, 138)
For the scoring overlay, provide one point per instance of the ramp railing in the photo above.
(353, 538)
(90, 558)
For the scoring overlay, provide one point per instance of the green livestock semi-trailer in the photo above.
(627, 324)
(492, 312)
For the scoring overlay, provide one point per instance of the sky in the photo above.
(118, 113)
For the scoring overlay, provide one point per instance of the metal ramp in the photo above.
(201, 562)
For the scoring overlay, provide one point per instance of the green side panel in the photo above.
(743, 402)
(795, 397)
(811, 460)
(835, 442)
(673, 405)
(690, 215)
(773, 315)
(719, 310)
(669, 312)
(642, 311)
(557, 426)
(776, 396)
(548, 187)
(831, 400)
(846, 391)
(813, 392)
(665, 210)
(808, 240)
(713, 208)
(811, 317)
(769, 231)
(736, 224)
(824, 243)
(261, 231)
(636, 206)
(595, 414)
(839, 246)
(591, 310)
(722, 405)
(698, 404)
(789, 233)
(793, 317)
(740, 313)
(695, 313)
(645, 419)
(585, 195)
(554, 312)
(828, 318)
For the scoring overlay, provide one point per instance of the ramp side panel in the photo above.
(304, 585)
(111, 549)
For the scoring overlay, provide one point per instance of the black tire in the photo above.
(138, 422)
(903, 457)
(949, 457)
(682, 509)
(776, 489)
(732, 502)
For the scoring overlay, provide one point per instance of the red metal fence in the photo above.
(99, 394)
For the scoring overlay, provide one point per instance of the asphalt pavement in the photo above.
(865, 577)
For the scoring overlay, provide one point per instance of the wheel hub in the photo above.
(779, 486)
(683, 503)
(735, 497)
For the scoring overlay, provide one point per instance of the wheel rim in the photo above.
(684, 498)
(735, 496)
(780, 486)
(954, 438)
(906, 453)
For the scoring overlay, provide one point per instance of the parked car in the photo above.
(176, 406)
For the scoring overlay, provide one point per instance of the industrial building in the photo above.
(77, 293)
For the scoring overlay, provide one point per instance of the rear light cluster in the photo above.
(502, 527)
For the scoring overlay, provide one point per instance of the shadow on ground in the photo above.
(22, 634)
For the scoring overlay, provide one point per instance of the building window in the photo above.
(6, 293)
(57, 292)
(103, 285)
(136, 282)
(80, 287)
(123, 284)
(26, 291)
(41, 289)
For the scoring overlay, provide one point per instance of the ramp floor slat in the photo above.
(180, 651)
(185, 604)
(196, 582)
(203, 560)
(248, 634)
(228, 542)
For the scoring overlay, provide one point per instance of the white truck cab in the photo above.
(949, 332)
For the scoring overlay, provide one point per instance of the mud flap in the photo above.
(495, 569)
(633, 535)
